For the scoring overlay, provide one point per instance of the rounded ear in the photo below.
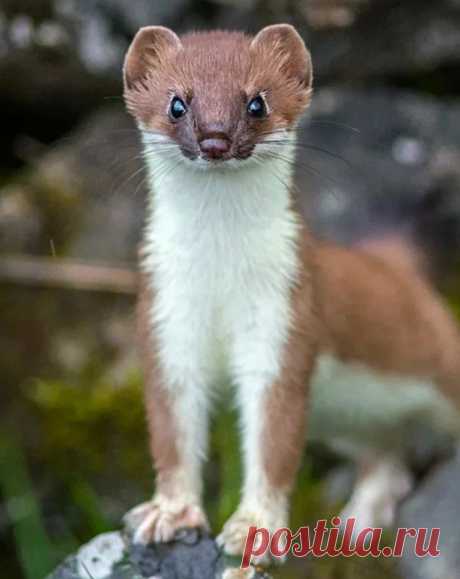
(284, 39)
(149, 47)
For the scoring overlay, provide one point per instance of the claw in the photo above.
(158, 520)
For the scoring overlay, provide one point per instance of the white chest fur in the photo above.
(220, 246)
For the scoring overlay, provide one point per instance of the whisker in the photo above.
(126, 130)
(288, 185)
(300, 145)
(167, 168)
(126, 181)
(304, 166)
(334, 124)
(141, 184)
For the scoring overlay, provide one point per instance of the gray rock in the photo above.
(112, 556)
(377, 159)
(390, 38)
(435, 504)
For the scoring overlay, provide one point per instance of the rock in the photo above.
(340, 32)
(376, 159)
(427, 37)
(435, 504)
(96, 559)
(83, 197)
(99, 166)
(111, 556)
(20, 222)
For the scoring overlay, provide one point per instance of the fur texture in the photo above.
(235, 290)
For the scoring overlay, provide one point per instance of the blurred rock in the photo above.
(414, 37)
(101, 163)
(85, 192)
(378, 159)
(435, 504)
(20, 223)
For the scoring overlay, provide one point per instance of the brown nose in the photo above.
(215, 147)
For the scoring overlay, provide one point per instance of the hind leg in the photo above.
(382, 483)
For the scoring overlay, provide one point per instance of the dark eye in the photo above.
(177, 108)
(257, 108)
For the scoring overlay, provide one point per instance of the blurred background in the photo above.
(383, 149)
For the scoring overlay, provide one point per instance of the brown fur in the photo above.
(160, 417)
(284, 423)
(385, 316)
(216, 84)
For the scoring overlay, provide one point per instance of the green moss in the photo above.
(92, 425)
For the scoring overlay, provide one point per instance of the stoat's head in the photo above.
(217, 99)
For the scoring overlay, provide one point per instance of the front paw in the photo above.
(234, 535)
(158, 520)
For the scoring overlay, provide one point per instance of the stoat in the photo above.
(235, 288)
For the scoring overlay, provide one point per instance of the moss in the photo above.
(92, 425)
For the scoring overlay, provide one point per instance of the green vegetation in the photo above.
(35, 551)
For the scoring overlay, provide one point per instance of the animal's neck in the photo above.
(236, 202)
